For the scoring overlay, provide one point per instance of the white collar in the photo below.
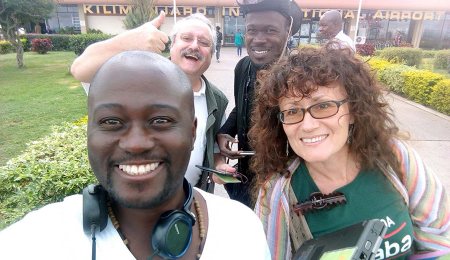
(202, 90)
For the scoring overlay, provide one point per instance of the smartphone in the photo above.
(247, 152)
(357, 242)
(224, 176)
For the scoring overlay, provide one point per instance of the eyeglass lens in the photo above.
(318, 111)
(188, 38)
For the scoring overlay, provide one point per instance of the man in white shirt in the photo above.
(330, 29)
(193, 44)
(141, 131)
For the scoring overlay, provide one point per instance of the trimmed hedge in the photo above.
(392, 76)
(50, 169)
(78, 43)
(407, 56)
(428, 53)
(378, 65)
(422, 86)
(440, 96)
(419, 85)
(66, 42)
(442, 60)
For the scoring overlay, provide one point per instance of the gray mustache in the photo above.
(194, 53)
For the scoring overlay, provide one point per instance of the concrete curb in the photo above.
(412, 103)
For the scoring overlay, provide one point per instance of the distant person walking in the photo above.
(219, 42)
(330, 29)
(239, 41)
(398, 39)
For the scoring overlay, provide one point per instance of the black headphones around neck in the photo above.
(171, 236)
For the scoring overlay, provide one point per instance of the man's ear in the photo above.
(194, 131)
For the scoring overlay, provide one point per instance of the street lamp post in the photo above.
(357, 21)
(174, 11)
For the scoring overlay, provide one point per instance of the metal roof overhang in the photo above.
(403, 5)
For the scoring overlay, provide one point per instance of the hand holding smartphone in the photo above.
(247, 152)
(222, 175)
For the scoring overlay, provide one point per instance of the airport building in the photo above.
(424, 24)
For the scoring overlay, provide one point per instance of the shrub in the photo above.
(378, 65)
(80, 42)
(60, 42)
(405, 45)
(407, 56)
(94, 31)
(68, 30)
(41, 46)
(428, 53)
(50, 169)
(392, 77)
(366, 49)
(6, 47)
(440, 97)
(419, 84)
(24, 42)
(442, 59)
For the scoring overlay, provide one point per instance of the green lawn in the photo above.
(32, 99)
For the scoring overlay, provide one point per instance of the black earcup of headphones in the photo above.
(172, 234)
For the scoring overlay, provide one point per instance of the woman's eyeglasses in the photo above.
(317, 111)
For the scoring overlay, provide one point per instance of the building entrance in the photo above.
(230, 26)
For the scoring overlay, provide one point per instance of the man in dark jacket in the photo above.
(269, 24)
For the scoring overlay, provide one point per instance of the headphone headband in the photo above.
(187, 187)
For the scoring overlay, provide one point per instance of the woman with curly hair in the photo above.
(321, 126)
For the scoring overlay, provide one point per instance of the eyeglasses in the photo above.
(317, 111)
(188, 38)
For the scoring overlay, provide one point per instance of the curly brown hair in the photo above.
(300, 74)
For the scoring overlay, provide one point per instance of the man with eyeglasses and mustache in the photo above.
(269, 24)
(193, 44)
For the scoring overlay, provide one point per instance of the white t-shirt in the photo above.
(198, 153)
(345, 41)
(56, 232)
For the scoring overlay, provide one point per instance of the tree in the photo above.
(15, 14)
(142, 11)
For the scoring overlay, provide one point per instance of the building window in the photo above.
(65, 17)
(397, 28)
(231, 25)
(308, 31)
(436, 34)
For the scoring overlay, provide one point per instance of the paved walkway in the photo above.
(429, 130)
